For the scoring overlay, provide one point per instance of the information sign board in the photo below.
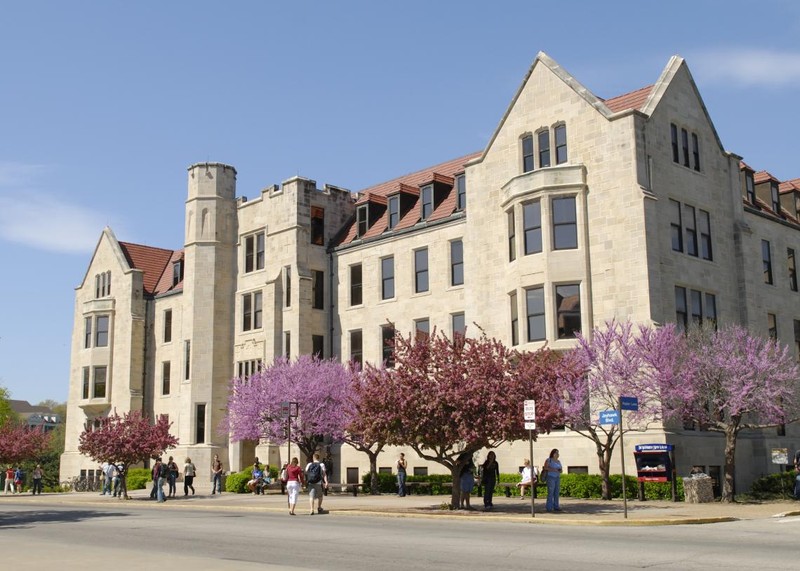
(609, 417)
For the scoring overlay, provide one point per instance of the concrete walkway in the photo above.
(574, 511)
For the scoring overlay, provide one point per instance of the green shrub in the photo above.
(774, 486)
(138, 478)
(237, 481)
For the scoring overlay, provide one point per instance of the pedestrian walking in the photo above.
(9, 480)
(490, 475)
(19, 478)
(37, 480)
(216, 475)
(163, 476)
(552, 474)
(401, 475)
(172, 476)
(189, 472)
(294, 479)
(317, 482)
(466, 481)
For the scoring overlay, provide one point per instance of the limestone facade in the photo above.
(578, 210)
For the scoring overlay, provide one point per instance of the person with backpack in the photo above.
(163, 474)
(172, 476)
(317, 481)
(189, 472)
(19, 477)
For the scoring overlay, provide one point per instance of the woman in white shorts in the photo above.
(294, 479)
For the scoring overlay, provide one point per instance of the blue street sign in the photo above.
(628, 403)
(609, 417)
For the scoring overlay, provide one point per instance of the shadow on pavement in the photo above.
(22, 519)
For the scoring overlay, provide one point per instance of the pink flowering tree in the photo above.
(319, 387)
(361, 432)
(446, 400)
(618, 359)
(20, 442)
(127, 440)
(738, 382)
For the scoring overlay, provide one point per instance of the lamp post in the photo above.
(289, 410)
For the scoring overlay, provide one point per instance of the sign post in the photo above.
(529, 415)
(780, 456)
(625, 403)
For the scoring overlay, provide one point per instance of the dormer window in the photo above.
(362, 222)
(461, 192)
(394, 211)
(177, 272)
(427, 201)
(750, 187)
(776, 200)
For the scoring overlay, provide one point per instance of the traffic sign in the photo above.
(628, 403)
(609, 417)
(529, 410)
(530, 426)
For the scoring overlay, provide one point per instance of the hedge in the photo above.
(774, 486)
(137, 478)
(236, 482)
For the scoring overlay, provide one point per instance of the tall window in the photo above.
(177, 272)
(87, 332)
(565, 223)
(102, 284)
(254, 252)
(421, 270)
(532, 221)
(711, 308)
(458, 325)
(287, 286)
(514, 319)
(246, 368)
(362, 221)
(685, 147)
(318, 289)
(165, 374)
(317, 226)
(568, 308)
(356, 347)
(790, 261)
(167, 325)
(427, 201)
(690, 229)
(287, 344)
(674, 132)
(676, 225)
(772, 326)
(512, 236)
(252, 311)
(387, 344)
(695, 152)
(187, 359)
(750, 187)
(318, 346)
(776, 199)
(561, 144)
(544, 148)
(696, 306)
(87, 374)
(422, 329)
(394, 211)
(355, 285)
(200, 424)
(796, 339)
(527, 153)
(387, 278)
(680, 308)
(534, 303)
(101, 334)
(100, 382)
(704, 222)
(461, 192)
(456, 262)
(766, 261)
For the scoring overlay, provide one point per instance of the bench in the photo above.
(509, 486)
(342, 488)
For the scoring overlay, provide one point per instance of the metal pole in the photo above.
(289, 438)
(533, 486)
(622, 448)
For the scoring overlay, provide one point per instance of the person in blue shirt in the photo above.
(552, 473)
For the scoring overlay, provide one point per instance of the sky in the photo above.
(104, 105)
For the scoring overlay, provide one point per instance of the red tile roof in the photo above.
(789, 186)
(152, 261)
(164, 284)
(763, 176)
(443, 173)
(633, 100)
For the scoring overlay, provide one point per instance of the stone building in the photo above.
(578, 210)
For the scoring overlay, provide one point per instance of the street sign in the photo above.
(628, 403)
(529, 410)
(530, 426)
(609, 417)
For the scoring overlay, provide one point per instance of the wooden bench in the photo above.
(343, 488)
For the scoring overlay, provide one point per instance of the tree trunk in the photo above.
(604, 464)
(455, 496)
(729, 482)
(373, 472)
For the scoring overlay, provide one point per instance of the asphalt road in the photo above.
(142, 537)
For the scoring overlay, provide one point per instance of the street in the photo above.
(122, 536)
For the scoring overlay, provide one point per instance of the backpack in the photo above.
(163, 471)
(314, 473)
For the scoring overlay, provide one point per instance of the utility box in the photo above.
(654, 463)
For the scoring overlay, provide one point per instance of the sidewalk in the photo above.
(574, 511)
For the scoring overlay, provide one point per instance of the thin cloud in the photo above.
(44, 222)
(12, 174)
(748, 66)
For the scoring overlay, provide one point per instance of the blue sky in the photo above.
(103, 105)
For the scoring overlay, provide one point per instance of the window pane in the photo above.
(461, 192)
(260, 251)
(101, 338)
(249, 254)
(394, 211)
(697, 307)
(568, 304)
(387, 275)
(766, 257)
(527, 153)
(456, 262)
(532, 220)
(317, 226)
(165, 374)
(544, 149)
(561, 144)
(676, 225)
(318, 289)
(387, 342)
(514, 320)
(427, 201)
(99, 382)
(680, 307)
(421, 270)
(356, 350)
(200, 424)
(87, 324)
(534, 300)
(257, 311)
(690, 229)
(711, 307)
(355, 285)
(317, 346)
(167, 326)
(247, 312)
(512, 237)
(458, 324)
(565, 227)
